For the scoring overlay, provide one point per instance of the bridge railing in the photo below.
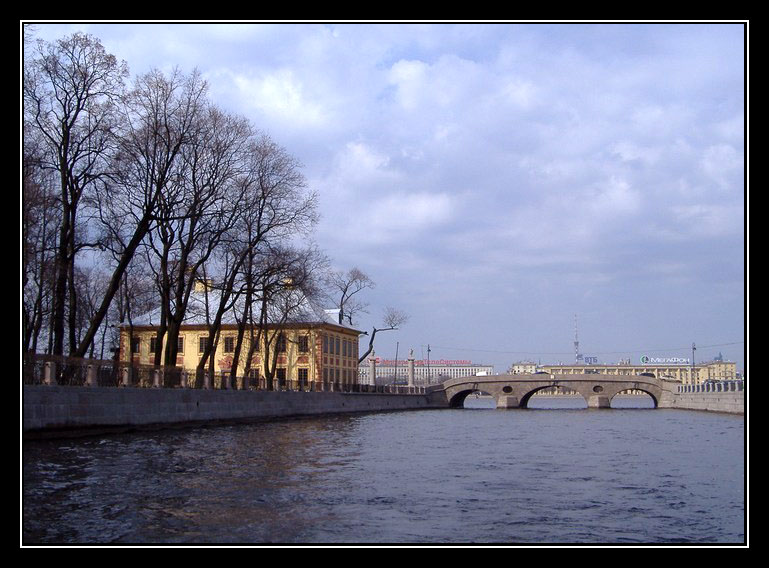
(713, 387)
(66, 371)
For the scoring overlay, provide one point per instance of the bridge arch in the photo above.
(458, 399)
(645, 391)
(526, 398)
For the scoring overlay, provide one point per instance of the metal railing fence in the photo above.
(40, 369)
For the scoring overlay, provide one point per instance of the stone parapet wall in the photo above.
(730, 402)
(48, 408)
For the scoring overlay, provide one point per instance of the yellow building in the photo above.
(674, 370)
(311, 346)
(522, 367)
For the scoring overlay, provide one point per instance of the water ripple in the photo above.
(449, 476)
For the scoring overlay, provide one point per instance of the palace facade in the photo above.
(311, 345)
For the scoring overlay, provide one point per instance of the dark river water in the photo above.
(565, 475)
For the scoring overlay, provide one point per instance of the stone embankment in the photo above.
(727, 396)
(64, 410)
(54, 409)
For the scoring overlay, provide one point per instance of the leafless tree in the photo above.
(136, 295)
(345, 286)
(392, 319)
(40, 220)
(275, 207)
(204, 208)
(159, 116)
(287, 295)
(71, 88)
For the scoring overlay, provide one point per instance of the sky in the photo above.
(498, 179)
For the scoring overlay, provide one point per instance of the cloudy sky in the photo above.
(497, 179)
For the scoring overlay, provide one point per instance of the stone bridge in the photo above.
(514, 391)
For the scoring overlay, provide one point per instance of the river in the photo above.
(569, 475)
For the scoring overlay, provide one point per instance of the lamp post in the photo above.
(694, 348)
(395, 380)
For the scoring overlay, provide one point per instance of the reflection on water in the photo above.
(433, 476)
(562, 402)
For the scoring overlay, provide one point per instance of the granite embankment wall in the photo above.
(62, 408)
(730, 402)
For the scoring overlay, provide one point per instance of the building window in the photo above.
(229, 344)
(325, 344)
(337, 347)
(281, 344)
(202, 344)
(253, 378)
(135, 345)
(303, 374)
(304, 344)
(180, 344)
(153, 344)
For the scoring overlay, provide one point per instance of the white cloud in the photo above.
(280, 95)
(409, 77)
(528, 152)
(412, 211)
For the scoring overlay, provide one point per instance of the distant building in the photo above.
(523, 367)
(672, 368)
(389, 371)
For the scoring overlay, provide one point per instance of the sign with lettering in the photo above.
(646, 360)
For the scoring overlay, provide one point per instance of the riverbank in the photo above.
(51, 410)
(727, 402)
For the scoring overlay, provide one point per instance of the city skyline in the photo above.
(496, 179)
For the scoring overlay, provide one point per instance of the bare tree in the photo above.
(135, 296)
(286, 296)
(199, 217)
(40, 220)
(275, 206)
(345, 286)
(71, 89)
(392, 319)
(159, 116)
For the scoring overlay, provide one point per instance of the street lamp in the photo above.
(694, 348)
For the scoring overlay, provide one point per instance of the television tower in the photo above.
(577, 354)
